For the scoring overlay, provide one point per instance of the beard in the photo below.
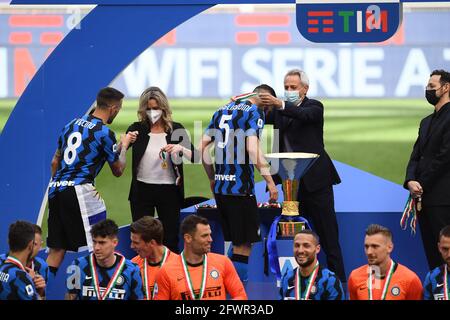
(309, 260)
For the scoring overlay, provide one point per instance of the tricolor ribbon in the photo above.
(15, 261)
(310, 282)
(150, 294)
(243, 96)
(386, 283)
(409, 211)
(272, 250)
(187, 275)
(112, 281)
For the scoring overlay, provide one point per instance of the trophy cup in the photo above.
(291, 168)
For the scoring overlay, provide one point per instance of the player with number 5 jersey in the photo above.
(84, 146)
(234, 131)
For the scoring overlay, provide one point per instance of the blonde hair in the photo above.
(158, 95)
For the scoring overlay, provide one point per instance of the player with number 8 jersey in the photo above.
(84, 146)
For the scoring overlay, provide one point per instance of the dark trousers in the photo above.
(318, 208)
(431, 221)
(163, 197)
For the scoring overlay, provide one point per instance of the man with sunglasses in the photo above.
(428, 170)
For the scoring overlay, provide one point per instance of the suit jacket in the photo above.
(429, 163)
(302, 127)
(140, 145)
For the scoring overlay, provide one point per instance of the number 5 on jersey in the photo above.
(226, 127)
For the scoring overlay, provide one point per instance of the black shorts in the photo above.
(240, 220)
(71, 213)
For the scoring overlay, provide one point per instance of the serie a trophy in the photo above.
(292, 166)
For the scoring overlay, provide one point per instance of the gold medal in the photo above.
(162, 156)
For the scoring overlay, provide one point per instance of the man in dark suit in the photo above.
(428, 171)
(299, 124)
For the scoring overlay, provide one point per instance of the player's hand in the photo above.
(415, 188)
(273, 192)
(39, 282)
(269, 100)
(133, 136)
(31, 272)
(173, 149)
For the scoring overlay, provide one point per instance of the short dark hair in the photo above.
(105, 228)
(445, 76)
(376, 229)
(267, 88)
(37, 229)
(149, 229)
(20, 234)
(445, 232)
(310, 232)
(189, 224)
(108, 96)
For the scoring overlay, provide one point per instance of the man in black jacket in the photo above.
(299, 121)
(428, 171)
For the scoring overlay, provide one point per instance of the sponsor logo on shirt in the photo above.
(116, 294)
(225, 177)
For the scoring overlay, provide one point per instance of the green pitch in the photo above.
(373, 135)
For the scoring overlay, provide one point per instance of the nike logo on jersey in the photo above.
(290, 287)
(439, 285)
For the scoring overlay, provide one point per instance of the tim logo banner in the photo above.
(348, 20)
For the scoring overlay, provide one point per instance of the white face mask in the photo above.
(154, 115)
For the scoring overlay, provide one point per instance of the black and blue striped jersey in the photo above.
(39, 266)
(433, 286)
(85, 144)
(81, 282)
(229, 127)
(326, 286)
(15, 283)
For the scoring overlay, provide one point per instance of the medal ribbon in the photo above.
(311, 280)
(15, 261)
(188, 277)
(410, 210)
(113, 279)
(446, 293)
(243, 96)
(162, 155)
(147, 288)
(386, 284)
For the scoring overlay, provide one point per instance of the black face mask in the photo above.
(431, 97)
